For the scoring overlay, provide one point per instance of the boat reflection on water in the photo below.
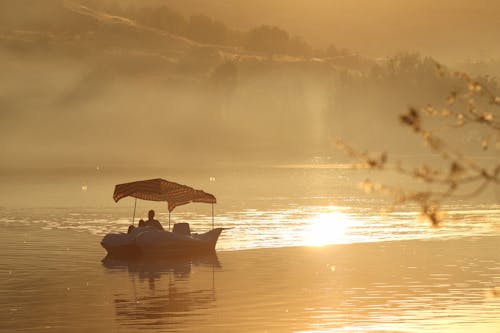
(162, 291)
(178, 265)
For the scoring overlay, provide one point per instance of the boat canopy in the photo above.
(162, 190)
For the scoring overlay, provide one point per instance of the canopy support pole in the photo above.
(168, 220)
(213, 220)
(133, 216)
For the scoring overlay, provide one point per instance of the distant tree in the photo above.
(411, 67)
(299, 47)
(267, 39)
(333, 51)
(397, 81)
(411, 75)
(203, 29)
(164, 18)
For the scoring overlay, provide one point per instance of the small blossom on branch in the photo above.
(462, 109)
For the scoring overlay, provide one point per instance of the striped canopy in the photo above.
(162, 190)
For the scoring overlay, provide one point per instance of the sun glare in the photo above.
(328, 228)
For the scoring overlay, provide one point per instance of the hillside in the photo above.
(367, 26)
(85, 86)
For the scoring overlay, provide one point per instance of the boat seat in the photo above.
(182, 228)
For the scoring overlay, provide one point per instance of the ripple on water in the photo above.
(282, 226)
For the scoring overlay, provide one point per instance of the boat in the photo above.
(147, 241)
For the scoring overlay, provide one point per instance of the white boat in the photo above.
(151, 242)
(146, 241)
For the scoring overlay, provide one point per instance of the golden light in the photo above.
(328, 228)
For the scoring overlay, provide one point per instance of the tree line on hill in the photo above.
(266, 39)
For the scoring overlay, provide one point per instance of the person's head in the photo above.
(151, 214)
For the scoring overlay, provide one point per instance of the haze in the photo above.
(448, 30)
(137, 83)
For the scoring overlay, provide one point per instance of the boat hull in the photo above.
(146, 242)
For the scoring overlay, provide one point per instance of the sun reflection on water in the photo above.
(328, 228)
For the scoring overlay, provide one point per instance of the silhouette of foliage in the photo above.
(267, 39)
(201, 28)
(462, 177)
(273, 40)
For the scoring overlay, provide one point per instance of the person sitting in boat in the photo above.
(132, 227)
(151, 222)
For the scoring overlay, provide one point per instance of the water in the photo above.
(306, 253)
(289, 225)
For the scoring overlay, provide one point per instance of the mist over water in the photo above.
(98, 84)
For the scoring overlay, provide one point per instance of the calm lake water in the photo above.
(306, 252)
